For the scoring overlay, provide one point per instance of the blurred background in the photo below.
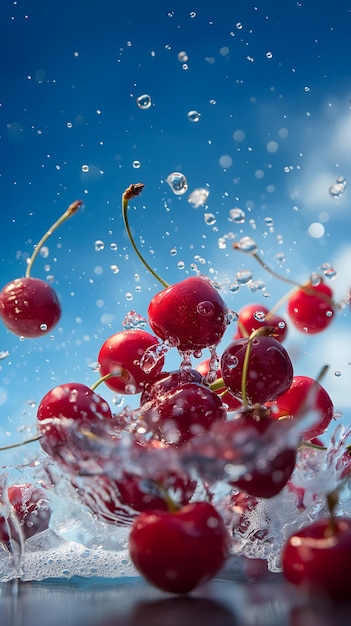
(249, 101)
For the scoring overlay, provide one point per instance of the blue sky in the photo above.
(271, 82)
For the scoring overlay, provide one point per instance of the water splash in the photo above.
(178, 183)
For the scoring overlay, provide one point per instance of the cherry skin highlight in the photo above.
(29, 307)
(190, 314)
(317, 558)
(122, 353)
(176, 551)
(311, 308)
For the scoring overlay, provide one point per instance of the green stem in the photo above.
(67, 214)
(21, 443)
(131, 192)
(101, 380)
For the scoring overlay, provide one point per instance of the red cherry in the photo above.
(29, 307)
(269, 374)
(190, 314)
(311, 308)
(317, 557)
(122, 353)
(30, 506)
(254, 316)
(230, 401)
(303, 396)
(177, 412)
(256, 440)
(65, 410)
(176, 551)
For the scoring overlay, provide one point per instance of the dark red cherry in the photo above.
(269, 372)
(29, 307)
(231, 402)
(311, 308)
(254, 316)
(305, 395)
(190, 314)
(122, 353)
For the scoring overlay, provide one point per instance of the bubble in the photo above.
(173, 251)
(114, 269)
(269, 55)
(182, 56)
(194, 116)
(198, 197)
(272, 146)
(113, 246)
(234, 287)
(205, 308)
(180, 265)
(239, 135)
(144, 101)
(225, 161)
(338, 188)
(44, 252)
(178, 183)
(136, 165)
(246, 244)
(85, 168)
(316, 230)
(209, 219)
(237, 215)
(99, 245)
(243, 277)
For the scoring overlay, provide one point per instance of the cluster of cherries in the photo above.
(237, 419)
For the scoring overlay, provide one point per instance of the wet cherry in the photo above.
(122, 353)
(178, 550)
(305, 395)
(253, 316)
(30, 511)
(256, 370)
(317, 557)
(190, 314)
(311, 308)
(231, 402)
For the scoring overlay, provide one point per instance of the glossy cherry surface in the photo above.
(190, 314)
(176, 551)
(122, 353)
(253, 316)
(269, 372)
(29, 307)
(311, 308)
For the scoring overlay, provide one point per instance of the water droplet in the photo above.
(243, 277)
(4, 354)
(328, 270)
(234, 287)
(237, 215)
(246, 244)
(205, 308)
(260, 316)
(209, 219)
(144, 101)
(194, 116)
(44, 252)
(133, 321)
(173, 251)
(113, 246)
(136, 164)
(269, 221)
(94, 366)
(337, 373)
(114, 269)
(182, 57)
(198, 197)
(99, 245)
(269, 55)
(180, 265)
(43, 327)
(338, 188)
(85, 168)
(178, 183)
(129, 296)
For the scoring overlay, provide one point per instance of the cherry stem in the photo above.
(172, 506)
(20, 443)
(309, 444)
(259, 332)
(102, 380)
(72, 209)
(131, 192)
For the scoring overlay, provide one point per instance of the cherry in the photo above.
(176, 411)
(29, 307)
(311, 308)
(303, 396)
(317, 557)
(190, 315)
(255, 440)
(231, 402)
(122, 353)
(64, 413)
(178, 550)
(254, 316)
(256, 369)
(30, 512)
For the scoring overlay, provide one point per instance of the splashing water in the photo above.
(178, 183)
